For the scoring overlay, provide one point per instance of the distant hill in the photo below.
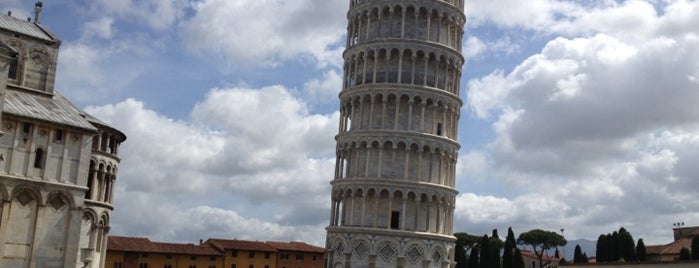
(587, 246)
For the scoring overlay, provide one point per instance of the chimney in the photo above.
(37, 11)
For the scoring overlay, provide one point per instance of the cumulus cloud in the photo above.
(326, 88)
(595, 130)
(253, 149)
(158, 15)
(266, 32)
(102, 28)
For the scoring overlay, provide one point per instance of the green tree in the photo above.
(467, 243)
(641, 250)
(485, 259)
(467, 240)
(460, 255)
(517, 260)
(627, 248)
(473, 257)
(695, 248)
(578, 255)
(540, 241)
(685, 255)
(495, 245)
(508, 251)
(601, 249)
(614, 247)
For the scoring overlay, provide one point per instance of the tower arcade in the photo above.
(393, 192)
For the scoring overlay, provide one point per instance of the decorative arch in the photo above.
(59, 198)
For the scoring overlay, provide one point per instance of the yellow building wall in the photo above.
(161, 260)
(244, 260)
(112, 258)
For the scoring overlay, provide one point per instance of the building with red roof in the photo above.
(140, 252)
(671, 251)
(297, 254)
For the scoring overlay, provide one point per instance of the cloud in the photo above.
(326, 88)
(266, 32)
(264, 158)
(157, 15)
(102, 28)
(596, 130)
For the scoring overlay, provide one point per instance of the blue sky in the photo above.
(579, 115)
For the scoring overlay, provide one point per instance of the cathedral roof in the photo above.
(26, 27)
(101, 125)
(49, 108)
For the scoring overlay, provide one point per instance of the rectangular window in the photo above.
(299, 256)
(12, 74)
(213, 258)
(251, 254)
(266, 255)
(395, 219)
(251, 266)
(26, 128)
(314, 258)
(234, 266)
(39, 158)
(58, 136)
(168, 256)
(234, 253)
(192, 257)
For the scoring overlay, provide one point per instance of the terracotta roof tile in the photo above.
(140, 244)
(546, 257)
(240, 245)
(670, 249)
(295, 246)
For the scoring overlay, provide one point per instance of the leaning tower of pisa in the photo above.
(393, 192)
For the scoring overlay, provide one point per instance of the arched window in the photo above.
(12, 74)
(39, 158)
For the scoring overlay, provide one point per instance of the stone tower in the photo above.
(394, 190)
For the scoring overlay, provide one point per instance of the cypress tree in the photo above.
(517, 260)
(460, 255)
(627, 249)
(601, 250)
(641, 250)
(695, 248)
(495, 245)
(578, 256)
(615, 252)
(473, 257)
(485, 258)
(557, 254)
(585, 258)
(684, 254)
(507, 254)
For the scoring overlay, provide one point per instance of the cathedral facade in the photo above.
(393, 191)
(58, 164)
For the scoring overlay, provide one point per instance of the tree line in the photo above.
(485, 251)
(619, 246)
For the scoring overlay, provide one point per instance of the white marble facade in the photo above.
(393, 192)
(57, 163)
